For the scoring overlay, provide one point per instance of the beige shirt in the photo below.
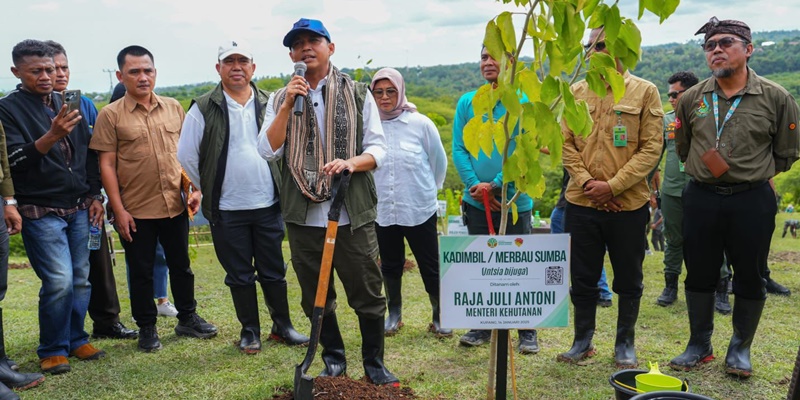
(146, 143)
(6, 185)
(760, 139)
(596, 157)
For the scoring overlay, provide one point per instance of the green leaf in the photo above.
(589, 7)
(602, 60)
(484, 101)
(598, 17)
(499, 133)
(613, 23)
(486, 138)
(616, 81)
(510, 100)
(528, 123)
(668, 9)
(493, 41)
(530, 84)
(556, 58)
(596, 83)
(471, 136)
(550, 89)
(515, 213)
(507, 32)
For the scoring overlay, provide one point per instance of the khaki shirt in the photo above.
(148, 170)
(596, 157)
(6, 185)
(760, 139)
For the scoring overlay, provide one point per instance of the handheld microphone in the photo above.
(299, 101)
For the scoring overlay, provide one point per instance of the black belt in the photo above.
(727, 189)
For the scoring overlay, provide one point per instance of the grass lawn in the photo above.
(435, 369)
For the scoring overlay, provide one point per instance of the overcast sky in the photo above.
(184, 35)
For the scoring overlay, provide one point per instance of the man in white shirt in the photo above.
(217, 149)
(338, 128)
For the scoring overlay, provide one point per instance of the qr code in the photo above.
(554, 275)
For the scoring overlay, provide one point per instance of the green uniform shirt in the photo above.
(673, 180)
(761, 138)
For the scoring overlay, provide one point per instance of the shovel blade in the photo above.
(303, 385)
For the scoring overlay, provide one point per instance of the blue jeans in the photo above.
(58, 252)
(557, 226)
(160, 272)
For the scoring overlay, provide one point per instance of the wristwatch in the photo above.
(493, 185)
(98, 197)
(10, 202)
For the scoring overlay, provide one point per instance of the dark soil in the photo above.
(18, 266)
(342, 387)
(791, 257)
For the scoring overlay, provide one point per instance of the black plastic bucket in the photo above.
(628, 377)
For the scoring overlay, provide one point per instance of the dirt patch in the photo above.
(22, 265)
(342, 387)
(791, 257)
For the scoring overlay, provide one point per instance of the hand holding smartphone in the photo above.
(72, 98)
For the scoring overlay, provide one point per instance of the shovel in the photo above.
(304, 384)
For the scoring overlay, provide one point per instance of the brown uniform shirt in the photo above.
(595, 156)
(148, 170)
(6, 185)
(761, 138)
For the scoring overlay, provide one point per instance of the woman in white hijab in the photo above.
(407, 183)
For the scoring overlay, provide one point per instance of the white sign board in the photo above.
(441, 210)
(504, 282)
(455, 226)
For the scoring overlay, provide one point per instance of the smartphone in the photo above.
(72, 98)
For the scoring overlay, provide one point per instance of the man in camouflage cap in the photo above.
(735, 131)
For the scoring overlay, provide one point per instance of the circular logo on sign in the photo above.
(492, 243)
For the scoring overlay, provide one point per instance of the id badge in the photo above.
(620, 136)
(682, 166)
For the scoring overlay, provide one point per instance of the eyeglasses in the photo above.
(378, 93)
(599, 46)
(723, 43)
(674, 95)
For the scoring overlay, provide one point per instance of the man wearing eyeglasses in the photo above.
(735, 131)
(607, 203)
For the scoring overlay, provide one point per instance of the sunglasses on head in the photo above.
(674, 95)
(724, 43)
(599, 46)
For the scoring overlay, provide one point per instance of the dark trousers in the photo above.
(173, 234)
(248, 245)
(738, 225)
(355, 260)
(104, 305)
(657, 237)
(592, 232)
(478, 225)
(424, 242)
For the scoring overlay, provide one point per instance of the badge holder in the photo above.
(620, 133)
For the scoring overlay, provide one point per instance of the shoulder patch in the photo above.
(677, 123)
(792, 126)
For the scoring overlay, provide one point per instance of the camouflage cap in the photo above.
(715, 26)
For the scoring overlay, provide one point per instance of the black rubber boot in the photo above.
(582, 347)
(624, 346)
(372, 341)
(701, 326)
(275, 295)
(7, 394)
(332, 347)
(776, 288)
(722, 305)
(670, 293)
(9, 377)
(245, 302)
(436, 327)
(394, 300)
(746, 315)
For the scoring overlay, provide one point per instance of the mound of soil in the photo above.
(342, 387)
(791, 257)
(22, 265)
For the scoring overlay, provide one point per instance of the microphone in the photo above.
(299, 101)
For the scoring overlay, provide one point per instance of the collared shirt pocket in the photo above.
(412, 153)
(133, 143)
(171, 131)
(630, 116)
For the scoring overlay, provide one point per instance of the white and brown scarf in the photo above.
(304, 152)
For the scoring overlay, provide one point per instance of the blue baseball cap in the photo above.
(308, 25)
